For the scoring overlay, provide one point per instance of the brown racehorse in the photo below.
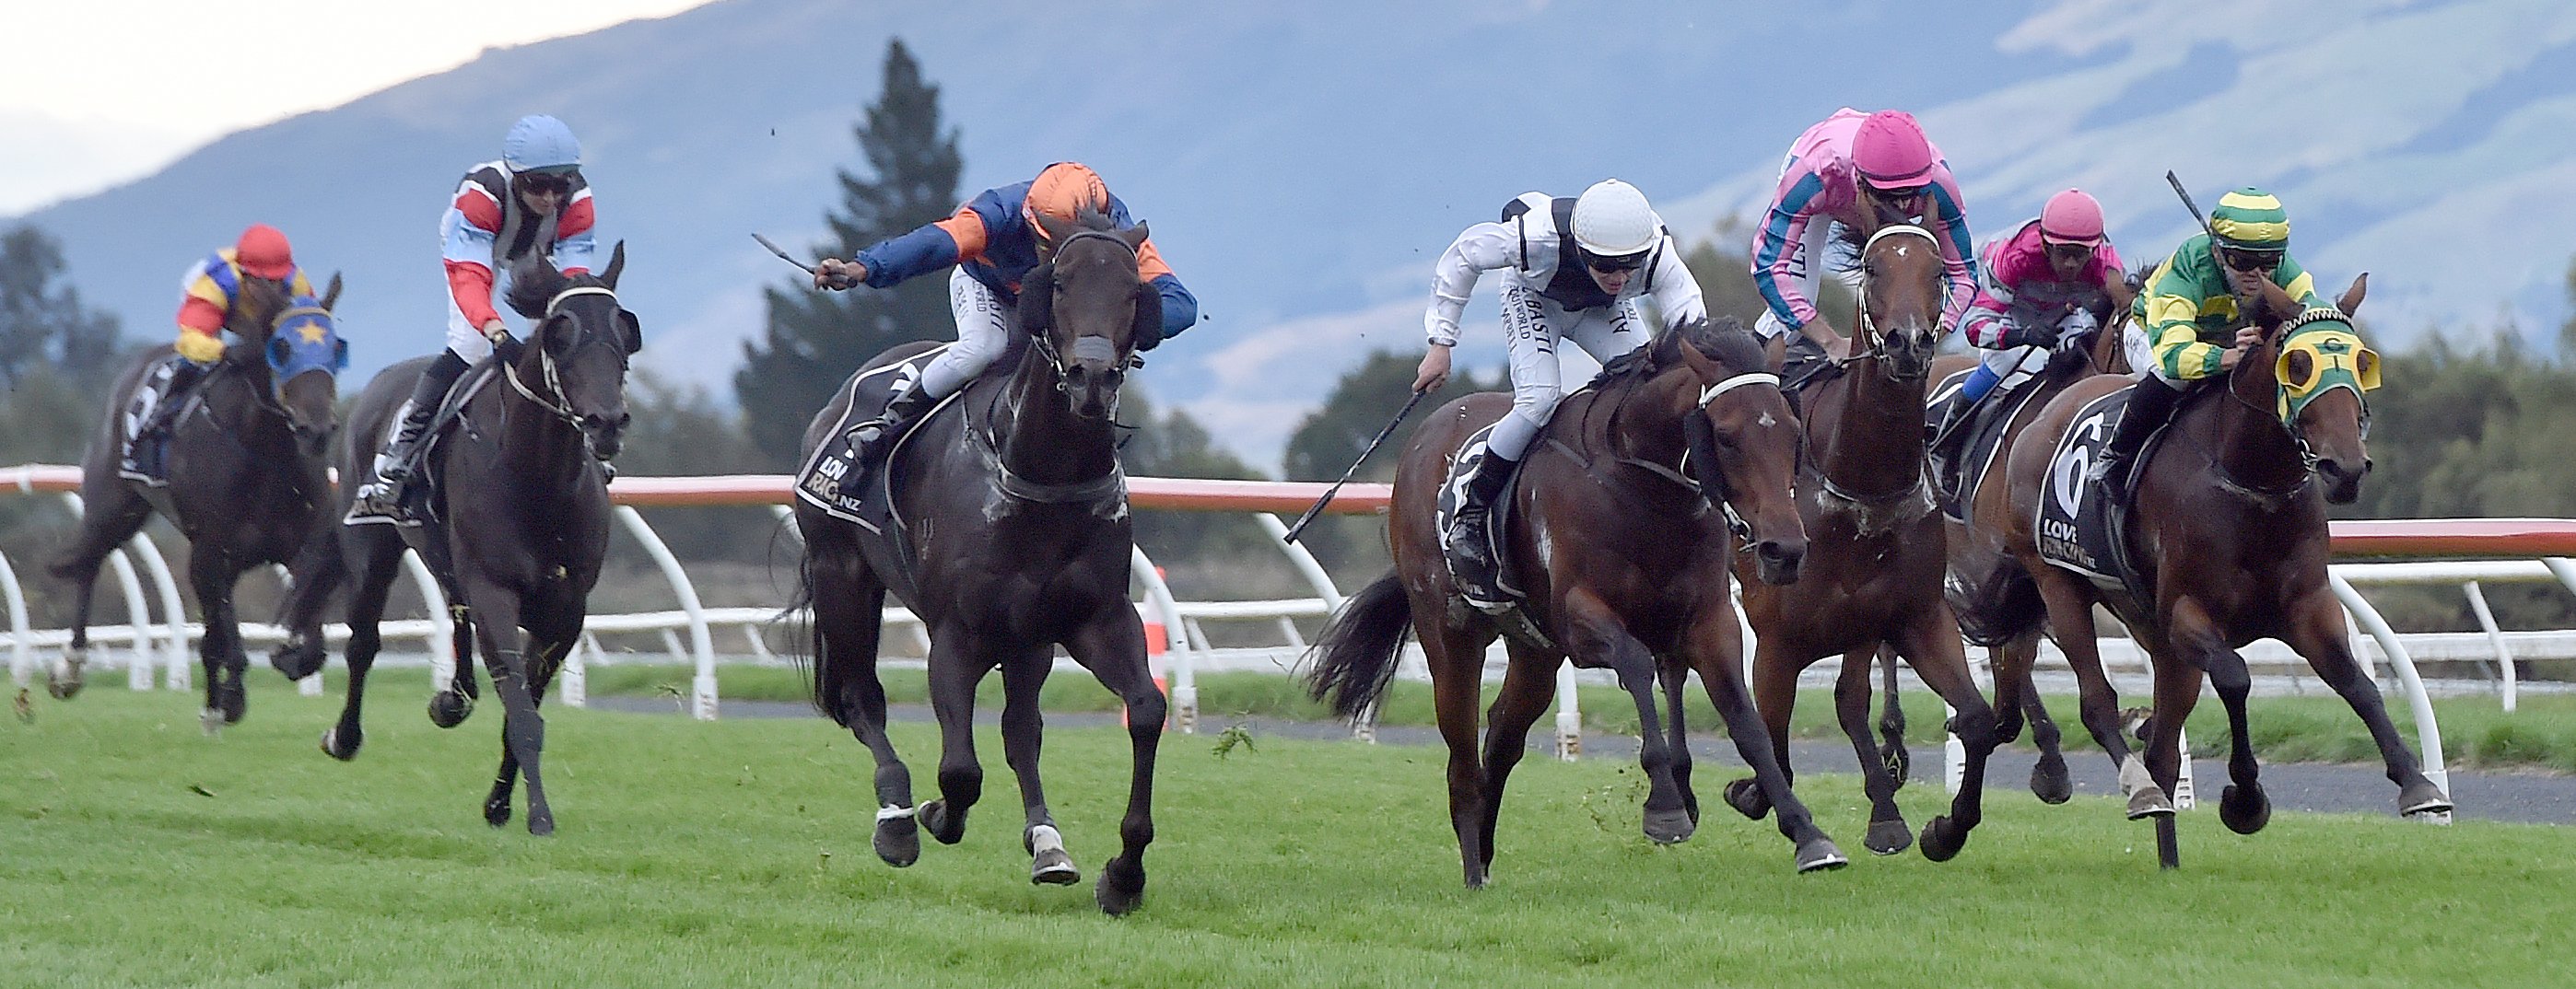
(1874, 556)
(1624, 558)
(2228, 531)
(1976, 548)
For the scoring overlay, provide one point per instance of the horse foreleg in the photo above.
(1775, 698)
(523, 730)
(366, 613)
(1716, 645)
(2070, 622)
(1112, 647)
(1675, 675)
(1891, 721)
(1024, 675)
(2178, 680)
(1529, 684)
(1888, 833)
(1931, 644)
(213, 573)
(1595, 632)
(2317, 632)
(955, 668)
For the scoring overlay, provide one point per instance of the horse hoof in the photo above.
(235, 704)
(1943, 838)
(2008, 729)
(2244, 809)
(1818, 855)
(496, 812)
(1748, 799)
(1053, 868)
(1667, 827)
(331, 744)
(2049, 782)
(211, 721)
(2150, 801)
(1889, 837)
(1122, 887)
(541, 822)
(1899, 763)
(898, 842)
(948, 830)
(2422, 797)
(448, 708)
(298, 658)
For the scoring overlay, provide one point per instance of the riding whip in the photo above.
(1382, 434)
(2171, 180)
(809, 269)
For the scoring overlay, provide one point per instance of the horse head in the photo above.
(295, 347)
(2318, 372)
(1086, 311)
(1903, 284)
(1743, 438)
(576, 366)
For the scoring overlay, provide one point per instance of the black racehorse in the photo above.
(1014, 539)
(518, 512)
(247, 486)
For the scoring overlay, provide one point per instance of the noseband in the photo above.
(559, 404)
(1045, 342)
(1868, 327)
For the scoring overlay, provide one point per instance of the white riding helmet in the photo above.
(1612, 220)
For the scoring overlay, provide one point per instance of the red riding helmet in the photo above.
(263, 252)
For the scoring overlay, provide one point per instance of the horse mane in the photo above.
(1723, 339)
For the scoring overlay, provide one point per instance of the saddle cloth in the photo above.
(818, 482)
(2078, 528)
(150, 465)
(1956, 479)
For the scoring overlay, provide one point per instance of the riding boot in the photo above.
(1471, 548)
(395, 465)
(872, 439)
(151, 439)
(2151, 402)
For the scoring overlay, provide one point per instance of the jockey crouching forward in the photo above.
(210, 291)
(2192, 322)
(1843, 170)
(2044, 284)
(994, 241)
(1573, 270)
(533, 200)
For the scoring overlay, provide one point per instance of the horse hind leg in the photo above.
(2017, 702)
(214, 572)
(1528, 686)
(1113, 649)
(1888, 833)
(849, 610)
(955, 669)
(1891, 722)
(2070, 619)
(111, 515)
(450, 707)
(366, 613)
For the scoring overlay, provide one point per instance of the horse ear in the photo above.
(331, 295)
(616, 264)
(2350, 301)
(1134, 236)
(1147, 333)
(1056, 230)
(2276, 304)
(1037, 299)
(1699, 363)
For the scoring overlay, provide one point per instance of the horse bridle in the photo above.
(1865, 327)
(1044, 342)
(560, 405)
(2308, 457)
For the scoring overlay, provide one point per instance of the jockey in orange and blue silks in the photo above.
(209, 290)
(993, 241)
(1839, 171)
(2049, 281)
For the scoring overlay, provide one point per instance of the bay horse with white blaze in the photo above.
(246, 488)
(1618, 534)
(1875, 557)
(518, 512)
(1018, 479)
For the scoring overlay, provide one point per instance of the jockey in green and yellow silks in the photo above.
(2186, 324)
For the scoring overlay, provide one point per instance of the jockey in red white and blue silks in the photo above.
(2053, 278)
(992, 242)
(1850, 163)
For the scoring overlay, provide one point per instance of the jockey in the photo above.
(1573, 269)
(532, 200)
(1841, 170)
(210, 289)
(993, 241)
(2194, 304)
(2049, 281)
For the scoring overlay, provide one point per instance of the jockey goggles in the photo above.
(1900, 193)
(2242, 259)
(545, 183)
(1616, 264)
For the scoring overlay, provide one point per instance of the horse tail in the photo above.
(822, 686)
(1355, 659)
(1999, 607)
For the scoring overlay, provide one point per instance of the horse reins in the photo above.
(560, 405)
(1867, 327)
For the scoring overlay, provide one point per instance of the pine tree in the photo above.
(814, 340)
(43, 324)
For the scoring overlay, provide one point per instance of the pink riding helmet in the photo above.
(2071, 217)
(1890, 150)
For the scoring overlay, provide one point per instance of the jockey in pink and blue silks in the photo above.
(2040, 286)
(1838, 172)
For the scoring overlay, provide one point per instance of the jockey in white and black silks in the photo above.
(1572, 269)
(532, 201)
(993, 241)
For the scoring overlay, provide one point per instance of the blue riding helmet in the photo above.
(539, 143)
(305, 340)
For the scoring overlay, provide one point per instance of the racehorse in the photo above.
(1010, 537)
(1975, 548)
(247, 486)
(518, 512)
(1618, 533)
(1875, 541)
(2228, 542)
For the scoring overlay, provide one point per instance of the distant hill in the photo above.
(1301, 164)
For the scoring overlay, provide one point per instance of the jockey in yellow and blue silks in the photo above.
(993, 241)
(2189, 324)
(210, 289)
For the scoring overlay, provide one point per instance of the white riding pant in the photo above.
(2142, 354)
(983, 332)
(2014, 365)
(1807, 265)
(1532, 325)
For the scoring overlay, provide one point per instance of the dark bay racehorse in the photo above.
(520, 513)
(1012, 496)
(1874, 554)
(2228, 533)
(246, 479)
(1621, 543)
